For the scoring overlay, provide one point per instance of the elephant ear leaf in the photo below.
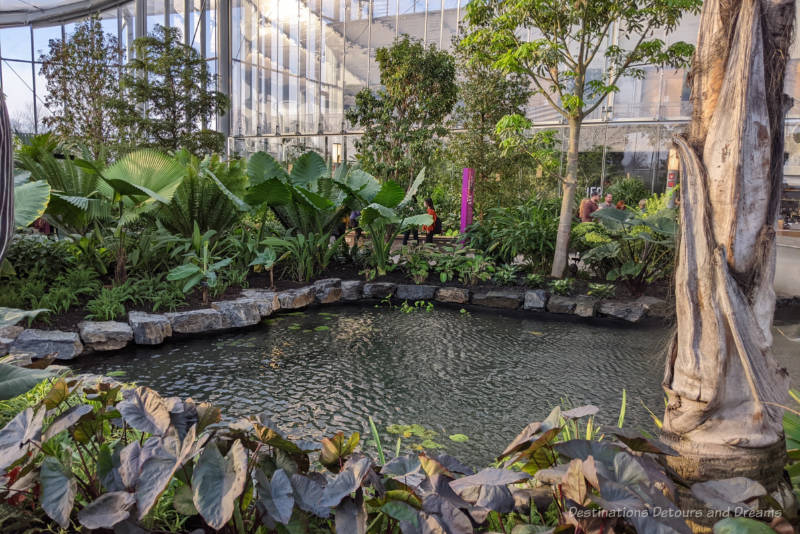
(275, 497)
(18, 380)
(30, 201)
(217, 481)
(390, 194)
(262, 167)
(144, 410)
(308, 168)
(16, 436)
(415, 185)
(107, 510)
(58, 491)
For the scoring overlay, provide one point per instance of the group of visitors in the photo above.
(430, 229)
(592, 203)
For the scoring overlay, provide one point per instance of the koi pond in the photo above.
(423, 377)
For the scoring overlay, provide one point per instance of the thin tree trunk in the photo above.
(567, 200)
(6, 179)
(721, 377)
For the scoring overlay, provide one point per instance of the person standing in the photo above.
(408, 211)
(430, 229)
(589, 206)
(609, 201)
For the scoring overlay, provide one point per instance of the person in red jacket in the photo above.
(432, 228)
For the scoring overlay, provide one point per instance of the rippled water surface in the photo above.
(484, 375)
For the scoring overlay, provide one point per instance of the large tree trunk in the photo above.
(567, 200)
(721, 379)
(6, 179)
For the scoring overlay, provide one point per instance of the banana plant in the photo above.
(382, 215)
(266, 260)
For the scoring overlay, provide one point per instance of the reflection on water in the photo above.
(484, 375)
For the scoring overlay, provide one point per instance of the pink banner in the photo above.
(467, 186)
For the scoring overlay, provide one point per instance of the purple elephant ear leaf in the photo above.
(144, 410)
(308, 496)
(16, 436)
(58, 491)
(275, 497)
(107, 510)
(218, 481)
(351, 515)
(159, 459)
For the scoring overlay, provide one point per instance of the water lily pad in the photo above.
(296, 314)
(295, 326)
(307, 330)
(322, 328)
(535, 333)
(458, 438)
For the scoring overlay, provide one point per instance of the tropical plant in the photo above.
(528, 230)
(560, 61)
(109, 304)
(266, 260)
(535, 280)
(602, 291)
(562, 287)
(629, 190)
(209, 196)
(417, 262)
(304, 256)
(78, 198)
(384, 212)
(108, 455)
(474, 268)
(203, 269)
(626, 246)
(404, 121)
(506, 275)
(142, 181)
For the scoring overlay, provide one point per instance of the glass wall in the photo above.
(296, 66)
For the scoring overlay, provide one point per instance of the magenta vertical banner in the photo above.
(467, 186)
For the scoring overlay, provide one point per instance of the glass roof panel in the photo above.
(39, 12)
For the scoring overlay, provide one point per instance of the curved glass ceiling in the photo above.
(39, 12)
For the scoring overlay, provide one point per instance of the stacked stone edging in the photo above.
(255, 304)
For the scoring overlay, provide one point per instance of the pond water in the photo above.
(484, 375)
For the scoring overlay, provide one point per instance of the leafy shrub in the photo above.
(417, 262)
(474, 268)
(602, 291)
(528, 230)
(109, 304)
(506, 275)
(562, 287)
(304, 256)
(106, 456)
(629, 190)
(624, 245)
(29, 253)
(535, 280)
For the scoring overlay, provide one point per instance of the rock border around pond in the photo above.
(254, 305)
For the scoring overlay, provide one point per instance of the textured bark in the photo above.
(567, 200)
(721, 378)
(6, 180)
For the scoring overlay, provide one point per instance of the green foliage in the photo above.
(31, 253)
(628, 190)
(82, 87)
(204, 195)
(109, 304)
(506, 274)
(486, 95)
(419, 305)
(602, 291)
(30, 199)
(199, 269)
(174, 459)
(304, 256)
(535, 280)
(528, 229)
(172, 81)
(562, 287)
(403, 122)
(624, 245)
(417, 262)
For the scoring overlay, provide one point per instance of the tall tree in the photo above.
(721, 380)
(486, 95)
(404, 121)
(82, 74)
(169, 95)
(570, 39)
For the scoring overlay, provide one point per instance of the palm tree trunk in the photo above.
(721, 378)
(6, 179)
(567, 200)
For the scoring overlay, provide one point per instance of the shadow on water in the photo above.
(484, 375)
